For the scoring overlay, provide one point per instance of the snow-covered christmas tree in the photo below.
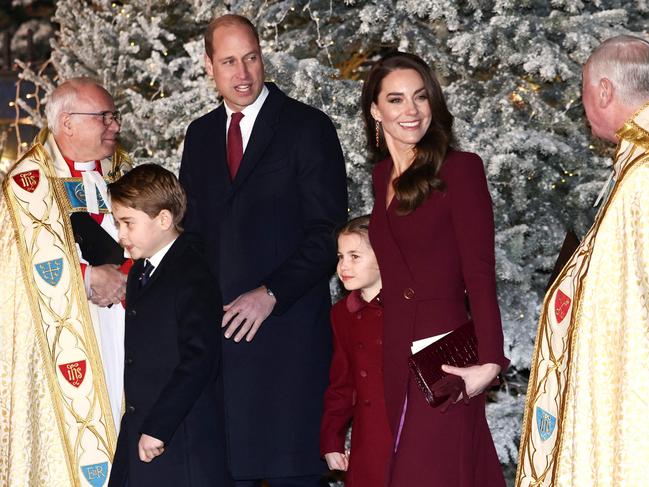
(511, 71)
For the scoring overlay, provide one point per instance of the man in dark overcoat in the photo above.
(266, 185)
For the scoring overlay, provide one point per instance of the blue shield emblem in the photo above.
(50, 271)
(96, 474)
(545, 423)
(77, 196)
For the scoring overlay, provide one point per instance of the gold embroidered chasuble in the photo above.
(585, 421)
(56, 425)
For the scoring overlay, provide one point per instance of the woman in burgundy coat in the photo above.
(432, 232)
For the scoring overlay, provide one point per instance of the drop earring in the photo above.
(377, 127)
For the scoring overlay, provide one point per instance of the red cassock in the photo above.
(355, 392)
(430, 260)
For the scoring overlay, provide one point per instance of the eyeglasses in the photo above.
(107, 116)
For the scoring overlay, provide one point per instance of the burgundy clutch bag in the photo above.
(459, 349)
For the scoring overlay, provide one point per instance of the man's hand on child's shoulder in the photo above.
(149, 448)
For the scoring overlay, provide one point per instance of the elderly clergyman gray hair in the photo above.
(615, 84)
(62, 279)
(585, 419)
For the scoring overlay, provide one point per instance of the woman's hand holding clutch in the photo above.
(477, 378)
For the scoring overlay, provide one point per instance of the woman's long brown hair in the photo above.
(412, 187)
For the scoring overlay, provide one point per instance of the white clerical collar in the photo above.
(156, 258)
(251, 111)
(85, 166)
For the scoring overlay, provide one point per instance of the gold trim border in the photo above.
(43, 160)
(35, 309)
(572, 334)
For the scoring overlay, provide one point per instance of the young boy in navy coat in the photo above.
(172, 430)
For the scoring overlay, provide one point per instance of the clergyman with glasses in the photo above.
(62, 282)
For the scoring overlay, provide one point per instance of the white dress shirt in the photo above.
(249, 116)
(156, 258)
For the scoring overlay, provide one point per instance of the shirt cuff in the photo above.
(86, 270)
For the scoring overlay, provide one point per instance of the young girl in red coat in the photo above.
(355, 391)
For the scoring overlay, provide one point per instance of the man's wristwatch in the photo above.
(269, 292)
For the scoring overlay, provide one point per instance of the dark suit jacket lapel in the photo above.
(133, 283)
(177, 247)
(261, 136)
(215, 145)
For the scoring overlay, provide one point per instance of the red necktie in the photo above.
(235, 144)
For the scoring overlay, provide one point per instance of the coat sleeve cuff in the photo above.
(499, 359)
(160, 432)
(332, 444)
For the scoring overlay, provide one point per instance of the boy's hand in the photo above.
(337, 461)
(149, 448)
(247, 313)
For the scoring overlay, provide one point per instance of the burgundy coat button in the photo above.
(408, 293)
(363, 373)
